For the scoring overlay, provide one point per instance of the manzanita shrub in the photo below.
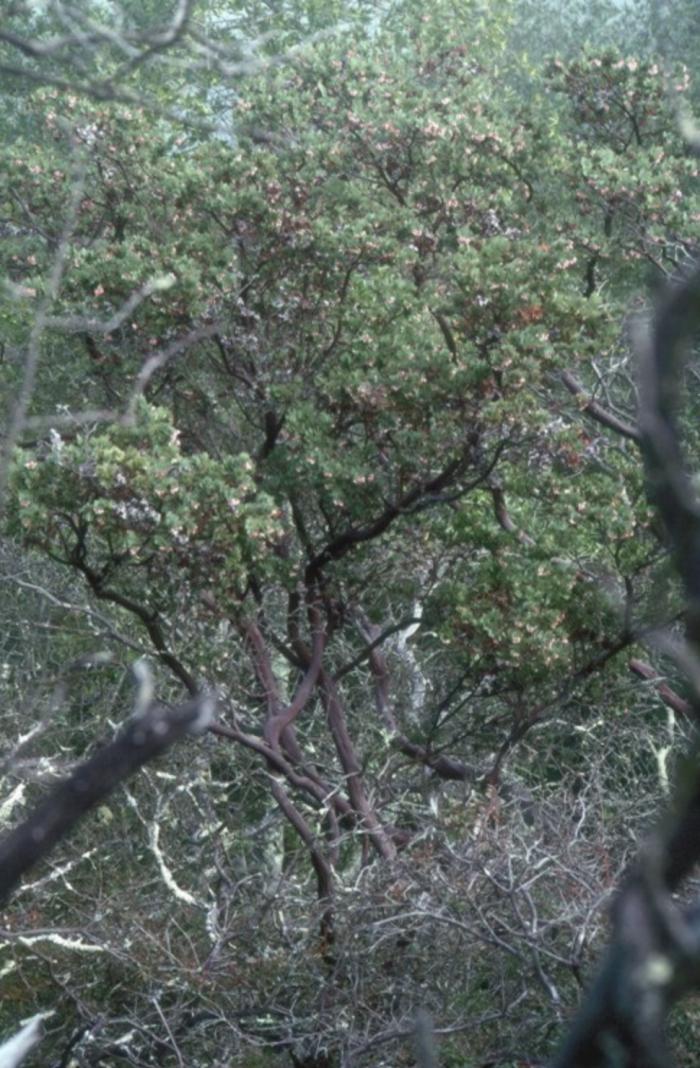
(369, 465)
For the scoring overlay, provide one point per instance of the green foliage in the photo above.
(128, 500)
(382, 277)
(329, 339)
(388, 290)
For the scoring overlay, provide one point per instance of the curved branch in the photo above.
(597, 411)
(321, 791)
(278, 723)
(503, 516)
(148, 618)
(669, 697)
(365, 653)
(445, 767)
(351, 766)
(324, 872)
(339, 546)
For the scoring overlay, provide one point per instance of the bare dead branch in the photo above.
(144, 738)
(669, 696)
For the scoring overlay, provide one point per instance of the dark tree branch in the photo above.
(426, 495)
(669, 485)
(148, 618)
(669, 697)
(352, 769)
(654, 955)
(317, 788)
(597, 411)
(365, 653)
(341, 545)
(279, 722)
(446, 333)
(144, 738)
(503, 516)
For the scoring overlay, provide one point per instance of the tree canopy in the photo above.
(317, 344)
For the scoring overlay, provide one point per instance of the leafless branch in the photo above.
(144, 738)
